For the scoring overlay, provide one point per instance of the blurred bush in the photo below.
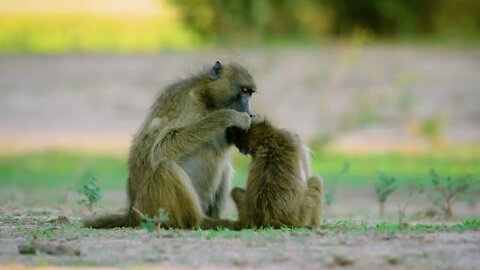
(187, 24)
(317, 19)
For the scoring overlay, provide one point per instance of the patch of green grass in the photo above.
(60, 170)
(43, 230)
(55, 33)
(267, 234)
(406, 168)
(72, 230)
(363, 168)
(7, 218)
(334, 226)
(351, 226)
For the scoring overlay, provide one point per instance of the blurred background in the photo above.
(372, 86)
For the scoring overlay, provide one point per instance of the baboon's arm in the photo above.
(176, 142)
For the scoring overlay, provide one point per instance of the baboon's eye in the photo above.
(247, 90)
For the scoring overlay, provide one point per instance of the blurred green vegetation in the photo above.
(83, 33)
(67, 170)
(199, 23)
(60, 169)
(319, 19)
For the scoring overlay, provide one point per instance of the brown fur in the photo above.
(178, 160)
(280, 191)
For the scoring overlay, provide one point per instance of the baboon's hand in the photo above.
(230, 118)
(241, 120)
(238, 195)
(236, 192)
(257, 118)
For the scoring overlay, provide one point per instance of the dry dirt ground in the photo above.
(268, 249)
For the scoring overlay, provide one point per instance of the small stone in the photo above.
(342, 260)
(394, 260)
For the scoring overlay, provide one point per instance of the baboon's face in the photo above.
(236, 85)
(242, 88)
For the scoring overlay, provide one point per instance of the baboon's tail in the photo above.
(110, 221)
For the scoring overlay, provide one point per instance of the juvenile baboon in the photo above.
(280, 189)
(178, 160)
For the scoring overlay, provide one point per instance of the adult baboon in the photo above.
(280, 189)
(178, 160)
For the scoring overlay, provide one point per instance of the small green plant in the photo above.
(449, 190)
(153, 224)
(402, 214)
(402, 208)
(431, 129)
(7, 218)
(472, 223)
(329, 197)
(92, 193)
(383, 188)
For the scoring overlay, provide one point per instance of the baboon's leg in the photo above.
(171, 189)
(217, 206)
(313, 200)
(238, 196)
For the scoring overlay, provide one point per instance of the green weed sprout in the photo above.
(383, 188)
(92, 193)
(402, 208)
(449, 190)
(153, 224)
(329, 197)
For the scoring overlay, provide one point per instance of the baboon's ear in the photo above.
(215, 71)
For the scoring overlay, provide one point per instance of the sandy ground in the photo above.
(131, 248)
(317, 249)
(371, 98)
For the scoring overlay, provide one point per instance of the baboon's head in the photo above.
(228, 86)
